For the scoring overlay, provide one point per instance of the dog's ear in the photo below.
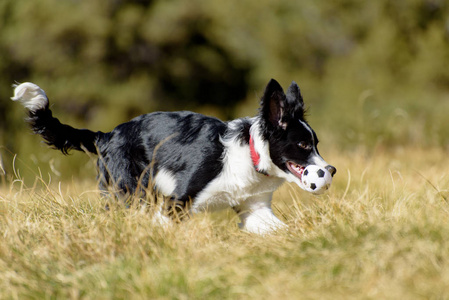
(294, 96)
(273, 104)
(279, 109)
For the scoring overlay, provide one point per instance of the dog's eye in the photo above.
(304, 146)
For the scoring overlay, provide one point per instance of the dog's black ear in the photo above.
(279, 109)
(273, 104)
(294, 96)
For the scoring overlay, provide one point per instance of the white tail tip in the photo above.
(30, 95)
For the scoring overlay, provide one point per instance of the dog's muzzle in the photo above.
(331, 170)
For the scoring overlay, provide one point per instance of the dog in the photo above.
(192, 158)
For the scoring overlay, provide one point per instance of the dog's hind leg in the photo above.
(256, 215)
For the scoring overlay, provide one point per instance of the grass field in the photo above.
(380, 233)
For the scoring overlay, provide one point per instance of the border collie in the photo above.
(195, 160)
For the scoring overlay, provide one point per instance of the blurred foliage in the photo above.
(373, 72)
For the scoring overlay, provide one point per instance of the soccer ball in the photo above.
(316, 179)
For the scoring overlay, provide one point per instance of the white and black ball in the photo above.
(315, 179)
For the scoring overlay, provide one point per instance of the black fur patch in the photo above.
(60, 136)
(184, 143)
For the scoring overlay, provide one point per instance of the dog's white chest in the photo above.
(237, 182)
(220, 194)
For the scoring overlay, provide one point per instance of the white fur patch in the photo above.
(261, 221)
(159, 219)
(257, 216)
(238, 179)
(31, 96)
(261, 147)
(317, 159)
(165, 182)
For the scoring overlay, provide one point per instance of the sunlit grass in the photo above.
(381, 232)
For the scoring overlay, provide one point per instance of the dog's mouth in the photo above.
(295, 169)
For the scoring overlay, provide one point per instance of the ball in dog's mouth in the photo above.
(295, 169)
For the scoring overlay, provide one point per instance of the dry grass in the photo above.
(381, 232)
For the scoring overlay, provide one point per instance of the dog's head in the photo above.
(292, 142)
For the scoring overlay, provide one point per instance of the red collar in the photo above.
(255, 156)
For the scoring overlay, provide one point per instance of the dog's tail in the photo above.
(59, 136)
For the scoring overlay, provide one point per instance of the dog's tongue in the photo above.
(296, 170)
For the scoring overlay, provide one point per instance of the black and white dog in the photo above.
(193, 158)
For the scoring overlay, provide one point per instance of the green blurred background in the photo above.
(374, 74)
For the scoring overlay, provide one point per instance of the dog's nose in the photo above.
(331, 170)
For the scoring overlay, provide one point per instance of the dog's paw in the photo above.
(262, 222)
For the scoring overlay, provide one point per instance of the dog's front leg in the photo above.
(256, 215)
